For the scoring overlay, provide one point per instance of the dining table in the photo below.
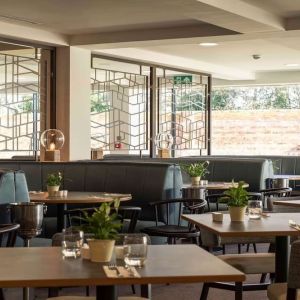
(272, 225)
(45, 267)
(81, 198)
(289, 203)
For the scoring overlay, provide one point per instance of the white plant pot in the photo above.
(196, 180)
(237, 214)
(52, 190)
(101, 250)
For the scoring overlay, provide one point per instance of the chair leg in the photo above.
(204, 292)
(133, 289)
(238, 291)
(254, 248)
(248, 247)
(223, 249)
(87, 291)
(239, 248)
(1, 294)
(263, 278)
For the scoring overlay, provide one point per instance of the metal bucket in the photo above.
(30, 217)
(193, 193)
(280, 183)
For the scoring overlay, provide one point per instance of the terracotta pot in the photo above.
(52, 189)
(237, 214)
(101, 250)
(196, 180)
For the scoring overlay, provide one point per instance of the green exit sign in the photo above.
(182, 79)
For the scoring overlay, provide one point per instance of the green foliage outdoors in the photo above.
(103, 224)
(196, 169)
(236, 196)
(256, 97)
(98, 104)
(27, 105)
(54, 179)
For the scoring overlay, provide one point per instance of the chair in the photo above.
(289, 290)
(172, 228)
(126, 213)
(257, 263)
(275, 192)
(8, 235)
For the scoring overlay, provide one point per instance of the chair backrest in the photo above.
(294, 271)
(175, 207)
(8, 234)
(128, 215)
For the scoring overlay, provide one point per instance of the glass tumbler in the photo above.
(254, 209)
(135, 249)
(72, 242)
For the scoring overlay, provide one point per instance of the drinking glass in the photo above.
(254, 209)
(135, 249)
(72, 242)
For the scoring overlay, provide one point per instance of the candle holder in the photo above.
(164, 142)
(52, 140)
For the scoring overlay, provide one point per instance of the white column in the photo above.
(73, 101)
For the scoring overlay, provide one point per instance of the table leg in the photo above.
(281, 258)
(61, 218)
(146, 291)
(106, 292)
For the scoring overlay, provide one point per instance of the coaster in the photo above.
(124, 272)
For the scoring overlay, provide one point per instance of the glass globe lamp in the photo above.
(52, 140)
(164, 142)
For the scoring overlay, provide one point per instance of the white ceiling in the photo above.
(167, 31)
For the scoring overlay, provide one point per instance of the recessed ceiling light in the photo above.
(292, 65)
(208, 44)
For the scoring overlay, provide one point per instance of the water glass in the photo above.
(135, 249)
(72, 242)
(254, 209)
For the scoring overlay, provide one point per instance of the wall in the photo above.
(256, 132)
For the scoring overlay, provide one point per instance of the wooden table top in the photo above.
(214, 185)
(291, 203)
(44, 266)
(290, 177)
(78, 197)
(275, 225)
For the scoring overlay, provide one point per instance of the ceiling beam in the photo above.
(32, 35)
(154, 57)
(241, 16)
(147, 37)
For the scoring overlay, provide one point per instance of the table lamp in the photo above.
(164, 142)
(52, 140)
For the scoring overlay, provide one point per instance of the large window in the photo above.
(24, 90)
(256, 120)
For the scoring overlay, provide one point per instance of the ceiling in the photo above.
(168, 31)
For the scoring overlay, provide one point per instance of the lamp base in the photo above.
(52, 155)
(163, 153)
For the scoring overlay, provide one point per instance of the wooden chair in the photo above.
(8, 235)
(288, 290)
(174, 208)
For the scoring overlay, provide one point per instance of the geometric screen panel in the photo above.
(119, 114)
(183, 112)
(19, 105)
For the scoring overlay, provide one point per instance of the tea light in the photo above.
(217, 217)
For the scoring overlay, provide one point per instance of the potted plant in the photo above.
(103, 224)
(54, 181)
(236, 198)
(196, 171)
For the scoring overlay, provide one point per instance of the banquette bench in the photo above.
(146, 181)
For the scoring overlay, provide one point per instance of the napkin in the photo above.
(125, 272)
